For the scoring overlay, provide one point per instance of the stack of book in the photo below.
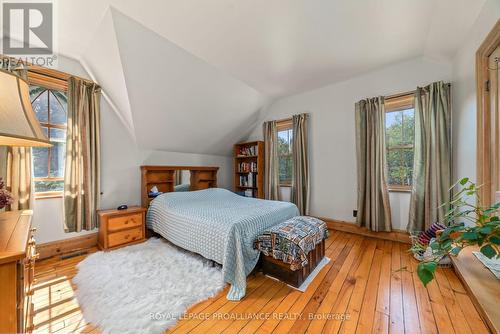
(249, 180)
(245, 151)
(246, 167)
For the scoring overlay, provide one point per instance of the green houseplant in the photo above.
(482, 229)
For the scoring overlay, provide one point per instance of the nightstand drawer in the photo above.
(123, 237)
(122, 222)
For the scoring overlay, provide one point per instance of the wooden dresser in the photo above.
(120, 228)
(17, 266)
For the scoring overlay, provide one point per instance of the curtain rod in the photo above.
(411, 92)
(33, 68)
(59, 78)
(393, 96)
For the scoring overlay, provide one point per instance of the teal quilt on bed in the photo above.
(220, 226)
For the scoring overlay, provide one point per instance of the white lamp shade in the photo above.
(18, 123)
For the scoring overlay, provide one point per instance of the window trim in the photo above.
(284, 125)
(487, 133)
(46, 82)
(396, 103)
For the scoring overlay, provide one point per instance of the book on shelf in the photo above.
(247, 167)
(249, 180)
(245, 151)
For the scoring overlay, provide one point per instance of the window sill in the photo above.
(48, 195)
(285, 185)
(399, 190)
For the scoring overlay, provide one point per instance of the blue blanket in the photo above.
(219, 225)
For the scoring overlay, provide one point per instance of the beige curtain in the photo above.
(373, 197)
(82, 166)
(16, 161)
(18, 180)
(431, 166)
(271, 161)
(300, 167)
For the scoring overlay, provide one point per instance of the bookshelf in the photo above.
(249, 168)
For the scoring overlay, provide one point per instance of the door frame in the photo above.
(485, 153)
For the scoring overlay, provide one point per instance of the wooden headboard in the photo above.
(163, 177)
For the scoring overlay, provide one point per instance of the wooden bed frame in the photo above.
(163, 177)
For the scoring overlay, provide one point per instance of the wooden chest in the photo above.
(120, 228)
(280, 270)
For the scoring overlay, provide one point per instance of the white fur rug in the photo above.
(143, 288)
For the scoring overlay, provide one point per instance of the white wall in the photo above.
(332, 138)
(464, 92)
(120, 168)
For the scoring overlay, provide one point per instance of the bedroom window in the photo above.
(285, 135)
(50, 107)
(399, 130)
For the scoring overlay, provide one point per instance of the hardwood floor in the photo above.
(362, 290)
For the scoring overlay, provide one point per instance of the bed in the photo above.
(220, 226)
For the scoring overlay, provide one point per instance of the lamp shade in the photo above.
(18, 123)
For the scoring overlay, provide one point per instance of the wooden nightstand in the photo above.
(120, 228)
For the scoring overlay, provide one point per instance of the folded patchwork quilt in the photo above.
(292, 240)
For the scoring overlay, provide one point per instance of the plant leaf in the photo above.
(435, 245)
(469, 236)
(425, 271)
(455, 250)
(485, 230)
(488, 251)
(464, 181)
(495, 240)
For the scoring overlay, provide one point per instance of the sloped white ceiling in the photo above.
(171, 66)
(103, 61)
(181, 103)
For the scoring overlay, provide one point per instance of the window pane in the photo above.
(393, 165)
(57, 107)
(40, 161)
(45, 186)
(40, 107)
(35, 91)
(284, 155)
(394, 126)
(58, 152)
(407, 165)
(284, 142)
(58, 135)
(285, 168)
(400, 166)
(408, 126)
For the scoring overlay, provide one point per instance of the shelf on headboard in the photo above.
(202, 177)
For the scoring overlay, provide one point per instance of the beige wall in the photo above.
(332, 142)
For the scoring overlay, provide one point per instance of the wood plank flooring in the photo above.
(361, 290)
